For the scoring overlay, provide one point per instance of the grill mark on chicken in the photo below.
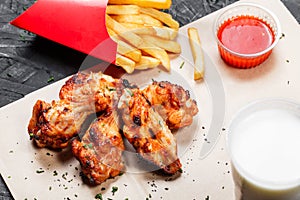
(100, 150)
(151, 137)
(172, 102)
(53, 125)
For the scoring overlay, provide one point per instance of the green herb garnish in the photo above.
(55, 173)
(31, 135)
(114, 190)
(40, 171)
(99, 196)
(181, 65)
(88, 146)
(51, 78)
(129, 92)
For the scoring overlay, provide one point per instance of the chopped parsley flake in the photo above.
(99, 196)
(40, 171)
(31, 136)
(181, 65)
(114, 190)
(50, 79)
(88, 146)
(55, 173)
(160, 123)
(129, 92)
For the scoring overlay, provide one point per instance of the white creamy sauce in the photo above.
(266, 145)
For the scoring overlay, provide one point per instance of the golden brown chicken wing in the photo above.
(172, 102)
(146, 130)
(100, 149)
(53, 125)
(93, 88)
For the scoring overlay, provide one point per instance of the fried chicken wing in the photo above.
(146, 130)
(172, 102)
(100, 149)
(53, 125)
(93, 88)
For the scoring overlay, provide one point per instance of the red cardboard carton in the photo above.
(78, 24)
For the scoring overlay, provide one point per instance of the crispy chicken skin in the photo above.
(93, 88)
(100, 149)
(172, 102)
(145, 129)
(53, 125)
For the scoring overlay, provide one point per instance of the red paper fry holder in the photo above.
(78, 24)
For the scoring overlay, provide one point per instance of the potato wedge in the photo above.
(122, 9)
(168, 45)
(161, 16)
(197, 53)
(147, 62)
(159, 4)
(126, 63)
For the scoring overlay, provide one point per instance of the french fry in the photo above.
(138, 19)
(127, 64)
(122, 9)
(132, 26)
(159, 4)
(168, 45)
(147, 62)
(156, 52)
(197, 53)
(123, 32)
(140, 29)
(162, 32)
(165, 32)
(143, 34)
(135, 19)
(129, 51)
(113, 35)
(125, 49)
(163, 17)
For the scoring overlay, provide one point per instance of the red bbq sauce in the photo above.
(245, 35)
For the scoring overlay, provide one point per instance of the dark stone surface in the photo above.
(28, 62)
